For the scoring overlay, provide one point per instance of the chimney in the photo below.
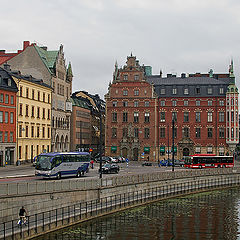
(6, 66)
(25, 44)
(183, 75)
(2, 51)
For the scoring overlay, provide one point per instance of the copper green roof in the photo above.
(79, 102)
(48, 57)
(69, 70)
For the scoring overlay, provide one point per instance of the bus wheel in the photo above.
(78, 174)
(200, 167)
(59, 176)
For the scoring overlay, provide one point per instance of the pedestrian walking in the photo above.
(92, 163)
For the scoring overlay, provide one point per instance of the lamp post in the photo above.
(100, 143)
(168, 142)
(173, 144)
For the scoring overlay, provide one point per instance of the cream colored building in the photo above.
(33, 117)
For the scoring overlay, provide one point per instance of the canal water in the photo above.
(210, 215)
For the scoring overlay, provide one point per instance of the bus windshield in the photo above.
(187, 160)
(43, 162)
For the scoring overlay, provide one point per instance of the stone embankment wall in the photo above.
(44, 195)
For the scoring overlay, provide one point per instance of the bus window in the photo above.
(56, 161)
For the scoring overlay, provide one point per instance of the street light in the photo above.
(100, 141)
(173, 144)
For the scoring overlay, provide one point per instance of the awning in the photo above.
(114, 148)
(162, 149)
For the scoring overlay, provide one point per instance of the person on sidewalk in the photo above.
(22, 216)
(92, 163)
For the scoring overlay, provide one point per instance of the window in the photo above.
(1, 116)
(48, 114)
(162, 132)
(20, 152)
(114, 103)
(209, 102)
(185, 103)
(114, 117)
(162, 103)
(38, 96)
(1, 98)
(12, 100)
(174, 103)
(32, 115)
(27, 92)
(136, 117)
(43, 132)
(163, 91)
(38, 112)
(209, 116)
(198, 150)
(147, 104)
(146, 132)
(125, 103)
(6, 137)
(185, 92)
(186, 116)
(43, 113)
(174, 91)
(198, 132)
(26, 131)
(228, 116)
(136, 92)
(221, 102)
(136, 103)
(32, 131)
(48, 133)
(221, 116)
(125, 77)
(1, 136)
(136, 132)
(6, 117)
(136, 77)
(43, 97)
(221, 151)
(11, 136)
(221, 132)
(38, 132)
(209, 90)
(33, 93)
(11, 117)
(21, 91)
(209, 150)
(147, 117)
(125, 92)
(49, 98)
(221, 91)
(210, 132)
(198, 117)
(125, 132)
(232, 133)
(114, 132)
(186, 132)
(162, 117)
(6, 98)
(174, 116)
(125, 117)
(197, 90)
(26, 111)
(20, 130)
(20, 109)
(232, 116)
(198, 103)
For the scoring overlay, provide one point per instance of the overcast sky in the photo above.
(173, 35)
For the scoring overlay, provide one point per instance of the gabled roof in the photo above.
(48, 57)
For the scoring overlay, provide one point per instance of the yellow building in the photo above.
(33, 117)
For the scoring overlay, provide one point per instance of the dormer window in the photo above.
(9, 82)
(174, 91)
(185, 92)
(136, 77)
(114, 103)
(221, 91)
(125, 77)
(197, 90)
(125, 92)
(163, 91)
(210, 90)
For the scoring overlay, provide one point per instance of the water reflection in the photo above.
(212, 215)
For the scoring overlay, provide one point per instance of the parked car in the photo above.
(104, 159)
(110, 168)
(115, 160)
(178, 163)
(165, 163)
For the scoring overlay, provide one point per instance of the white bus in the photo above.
(58, 165)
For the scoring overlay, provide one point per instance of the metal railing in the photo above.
(41, 222)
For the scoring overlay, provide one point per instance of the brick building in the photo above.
(8, 90)
(204, 108)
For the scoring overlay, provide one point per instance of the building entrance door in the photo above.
(135, 154)
(185, 152)
(124, 152)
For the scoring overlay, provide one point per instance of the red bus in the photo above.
(208, 161)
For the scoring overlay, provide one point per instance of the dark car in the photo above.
(178, 163)
(110, 168)
(146, 163)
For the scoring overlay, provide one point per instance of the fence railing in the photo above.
(50, 220)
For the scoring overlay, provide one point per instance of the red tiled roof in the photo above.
(6, 57)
